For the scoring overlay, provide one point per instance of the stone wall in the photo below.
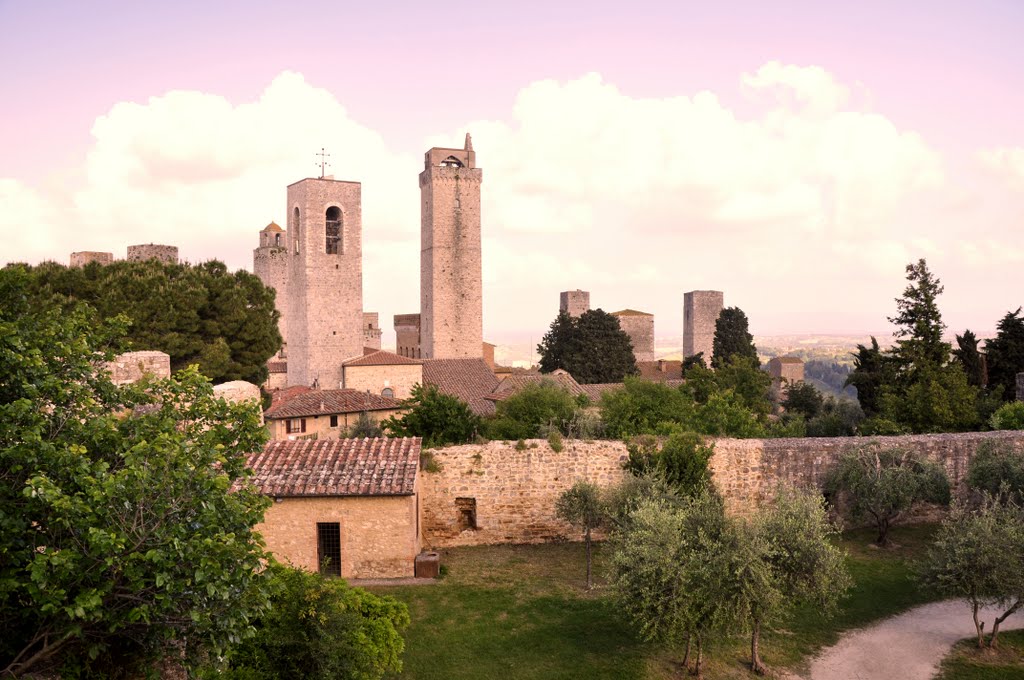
(399, 377)
(84, 257)
(574, 302)
(270, 265)
(153, 251)
(639, 326)
(371, 330)
(700, 312)
(133, 366)
(512, 493)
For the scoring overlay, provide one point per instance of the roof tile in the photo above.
(324, 402)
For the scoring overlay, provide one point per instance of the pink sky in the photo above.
(794, 155)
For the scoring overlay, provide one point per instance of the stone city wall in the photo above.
(84, 257)
(510, 495)
(133, 366)
(153, 251)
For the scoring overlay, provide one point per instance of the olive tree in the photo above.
(581, 506)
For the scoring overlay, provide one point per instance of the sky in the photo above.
(795, 155)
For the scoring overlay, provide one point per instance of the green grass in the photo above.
(967, 662)
(511, 612)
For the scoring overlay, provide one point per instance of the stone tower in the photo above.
(325, 280)
(270, 265)
(451, 292)
(639, 326)
(574, 302)
(153, 251)
(700, 312)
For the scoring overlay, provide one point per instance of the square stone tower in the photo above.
(325, 280)
(270, 265)
(574, 302)
(407, 335)
(639, 326)
(451, 291)
(700, 312)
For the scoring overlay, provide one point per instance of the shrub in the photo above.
(438, 418)
(1008, 416)
(582, 507)
(365, 427)
(536, 405)
(429, 462)
(641, 406)
(555, 441)
(682, 461)
(881, 427)
(997, 469)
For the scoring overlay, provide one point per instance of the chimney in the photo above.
(662, 367)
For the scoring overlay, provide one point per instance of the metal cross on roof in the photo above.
(323, 161)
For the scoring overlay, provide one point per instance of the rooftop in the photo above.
(380, 358)
(470, 380)
(630, 312)
(273, 226)
(329, 402)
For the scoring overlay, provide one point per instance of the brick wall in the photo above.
(399, 377)
(514, 491)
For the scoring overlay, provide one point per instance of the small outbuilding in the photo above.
(325, 414)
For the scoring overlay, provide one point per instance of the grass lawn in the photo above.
(510, 612)
(967, 662)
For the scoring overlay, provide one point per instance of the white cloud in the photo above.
(1005, 161)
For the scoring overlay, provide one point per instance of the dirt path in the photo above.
(909, 646)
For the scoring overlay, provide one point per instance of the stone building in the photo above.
(326, 414)
(84, 257)
(407, 335)
(270, 265)
(700, 312)
(325, 279)
(574, 302)
(347, 508)
(384, 373)
(639, 326)
(786, 369)
(371, 330)
(153, 251)
(132, 367)
(451, 289)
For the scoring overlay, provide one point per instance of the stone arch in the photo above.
(451, 162)
(333, 242)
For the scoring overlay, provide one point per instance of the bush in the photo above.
(535, 406)
(365, 426)
(555, 441)
(641, 406)
(682, 461)
(321, 629)
(997, 469)
(1008, 416)
(881, 427)
(438, 418)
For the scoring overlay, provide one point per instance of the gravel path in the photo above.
(909, 646)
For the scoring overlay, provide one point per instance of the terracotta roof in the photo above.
(630, 312)
(277, 366)
(595, 390)
(471, 380)
(517, 381)
(337, 467)
(281, 396)
(652, 370)
(788, 360)
(273, 226)
(325, 402)
(380, 357)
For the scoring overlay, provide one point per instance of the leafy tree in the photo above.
(224, 322)
(592, 348)
(693, 361)
(438, 418)
(1005, 354)
(838, 418)
(365, 426)
(997, 470)
(1009, 416)
(682, 461)
(536, 405)
(642, 407)
(872, 371)
(970, 359)
(732, 338)
(121, 541)
(320, 628)
(978, 555)
(582, 507)
(883, 484)
(803, 398)
(938, 399)
(918, 320)
(743, 378)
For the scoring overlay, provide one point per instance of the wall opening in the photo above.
(333, 230)
(295, 230)
(387, 392)
(451, 162)
(328, 544)
(466, 508)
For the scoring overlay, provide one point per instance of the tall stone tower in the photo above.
(270, 265)
(574, 302)
(700, 312)
(451, 292)
(325, 280)
(639, 326)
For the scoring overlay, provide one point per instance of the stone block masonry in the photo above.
(493, 493)
(574, 302)
(82, 258)
(639, 326)
(153, 251)
(132, 367)
(700, 312)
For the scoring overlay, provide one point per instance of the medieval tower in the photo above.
(451, 292)
(574, 302)
(270, 265)
(325, 280)
(700, 312)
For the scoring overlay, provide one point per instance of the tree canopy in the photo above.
(732, 338)
(592, 348)
(1005, 354)
(437, 417)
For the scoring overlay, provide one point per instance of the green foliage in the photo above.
(642, 407)
(440, 419)
(882, 484)
(365, 426)
(919, 322)
(555, 441)
(224, 322)
(582, 507)
(682, 461)
(543, 404)
(429, 462)
(1005, 354)
(978, 555)
(997, 469)
(803, 398)
(322, 629)
(881, 427)
(592, 348)
(1009, 416)
(872, 371)
(970, 359)
(732, 338)
(936, 400)
(838, 418)
(120, 539)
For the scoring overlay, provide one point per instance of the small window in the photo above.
(328, 540)
(333, 230)
(466, 507)
(334, 421)
(458, 203)
(387, 392)
(277, 239)
(296, 425)
(295, 230)
(451, 162)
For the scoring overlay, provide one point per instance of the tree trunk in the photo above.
(979, 626)
(755, 652)
(588, 558)
(686, 656)
(883, 532)
(699, 661)
(992, 641)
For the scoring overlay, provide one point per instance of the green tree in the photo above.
(439, 418)
(582, 507)
(322, 629)
(121, 540)
(732, 338)
(559, 345)
(803, 398)
(681, 461)
(882, 484)
(978, 555)
(592, 348)
(997, 469)
(643, 407)
(1009, 416)
(544, 404)
(970, 359)
(937, 399)
(919, 322)
(872, 371)
(365, 426)
(1005, 354)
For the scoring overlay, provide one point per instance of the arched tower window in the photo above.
(277, 239)
(333, 230)
(387, 392)
(296, 232)
(451, 162)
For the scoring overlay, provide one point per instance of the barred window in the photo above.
(328, 540)
(333, 230)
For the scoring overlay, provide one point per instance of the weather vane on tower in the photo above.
(323, 161)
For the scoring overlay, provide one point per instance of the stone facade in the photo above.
(371, 330)
(84, 257)
(325, 280)
(451, 288)
(574, 302)
(639, 326)
(700, 312)
(270, 265)
(153, 251)
(786, 369)
(134, 366)
(407, 335)
(379, 535)
(399, 378)
(320, 427)
(510, 495)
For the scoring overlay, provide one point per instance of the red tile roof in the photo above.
(380, 357)
(337, 467)
(277, 366)
(595, 390)
(288, 393)
(652, 370)
(471, 380)
(327, 402)
(517, 381)
(630, 312)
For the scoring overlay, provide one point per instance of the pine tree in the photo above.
(732, 338)
(1006, 354)
(971, 359)
(919, 322)
(592, 348)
